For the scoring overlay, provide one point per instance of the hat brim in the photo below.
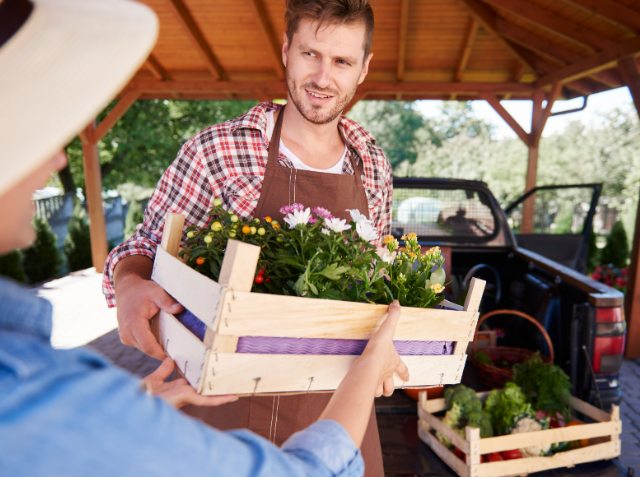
(60, 69)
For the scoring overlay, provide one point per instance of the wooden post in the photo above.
(528, 209)
(93, 183)
(631, 77)
(532, 140)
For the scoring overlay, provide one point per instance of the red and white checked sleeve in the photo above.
(183, 189)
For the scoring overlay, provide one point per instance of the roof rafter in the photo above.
(147, 86)
(487, 18)
(189, 24)
(550, 49)
(612, 11)
(554, 23)
(592, 64)
(121, 107)
(275, 49)
(504, 114)
(402, 40)
(466, 52)
(631, 77)
(156, 68)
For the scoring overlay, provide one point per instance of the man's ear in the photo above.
(365, 68)
(285, 48)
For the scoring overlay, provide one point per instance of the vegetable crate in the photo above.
(230, 311)
(603, 435)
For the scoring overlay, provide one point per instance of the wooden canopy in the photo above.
(423, 49)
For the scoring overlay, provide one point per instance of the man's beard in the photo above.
(314, 114)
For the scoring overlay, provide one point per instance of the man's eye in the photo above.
(308, 53)
(342, 62)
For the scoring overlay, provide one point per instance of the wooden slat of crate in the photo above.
(236, 373)
(186, 350)
(442, 451)
(549, 436)
(607, 450)
(199, 294)
(251, 314)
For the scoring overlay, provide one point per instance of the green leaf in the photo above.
(313, 288)
(406, 268)
(439, 276)
(299, 286)
(334, 272)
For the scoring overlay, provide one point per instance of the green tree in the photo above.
(77, 243)
(135, 216)
(616, 250)
(11, 266)
(394, 124)
(43, 259)
(142, 144)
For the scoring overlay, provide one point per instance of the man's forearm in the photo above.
(134, 266)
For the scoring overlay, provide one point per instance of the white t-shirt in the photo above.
(295, 160)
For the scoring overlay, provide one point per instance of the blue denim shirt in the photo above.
(72, 413)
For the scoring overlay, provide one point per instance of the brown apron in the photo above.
(278, 417)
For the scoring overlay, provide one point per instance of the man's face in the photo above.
(324, 69)
(16, 208)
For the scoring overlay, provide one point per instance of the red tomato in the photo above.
(260, 272)
(258, 279)
(200, 260)
(493, 457)
(511, 454)
(459, 454)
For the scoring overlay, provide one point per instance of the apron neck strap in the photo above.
(274, 145)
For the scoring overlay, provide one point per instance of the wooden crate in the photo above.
(603, 435)
(230, 311)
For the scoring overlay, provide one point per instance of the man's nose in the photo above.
(322, 75)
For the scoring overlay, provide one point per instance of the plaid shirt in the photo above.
(228, 161)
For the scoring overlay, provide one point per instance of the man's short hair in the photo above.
(340, 12)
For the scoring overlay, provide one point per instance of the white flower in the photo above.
(298, 217)
(325, 231)
(357, 216)
(337, 225)
(366, 230)
(385, 256)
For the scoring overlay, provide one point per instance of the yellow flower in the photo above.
(437, 288)
(412, 236)
(434, 250)
(388, 239)
(412, 255)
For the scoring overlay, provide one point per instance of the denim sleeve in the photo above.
(76, 416)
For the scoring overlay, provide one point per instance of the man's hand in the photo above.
(179, 392)
(381, 350)
(138, 299)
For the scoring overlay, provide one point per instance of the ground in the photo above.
(81, 317)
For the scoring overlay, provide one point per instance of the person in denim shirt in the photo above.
(70, 412)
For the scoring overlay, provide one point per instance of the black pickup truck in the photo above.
(541, 274)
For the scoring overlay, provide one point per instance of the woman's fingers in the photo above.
(163, 372)
(403, 371)
(388, 386)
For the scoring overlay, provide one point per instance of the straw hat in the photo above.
(61, 62)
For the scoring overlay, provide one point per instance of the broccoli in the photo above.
(464, 409)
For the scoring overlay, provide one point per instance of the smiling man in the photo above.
(272, 156)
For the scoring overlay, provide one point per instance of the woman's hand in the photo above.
(382, 353)
(179, 392)
(371, 374)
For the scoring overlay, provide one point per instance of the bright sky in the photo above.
(521, 111)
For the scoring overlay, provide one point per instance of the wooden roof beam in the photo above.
(611, 10)
(504, 114)
(402, 40)
(189, 24)
(156, 69)
(554, 23)
(629, 72)
(546, 47)
(275, 48)
(210, 86)
(592, 64)
(121, 107)
(487, 17)
(466, 52)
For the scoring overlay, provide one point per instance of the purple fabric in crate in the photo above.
(320, 346)
(315, 346)
(192, 323)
